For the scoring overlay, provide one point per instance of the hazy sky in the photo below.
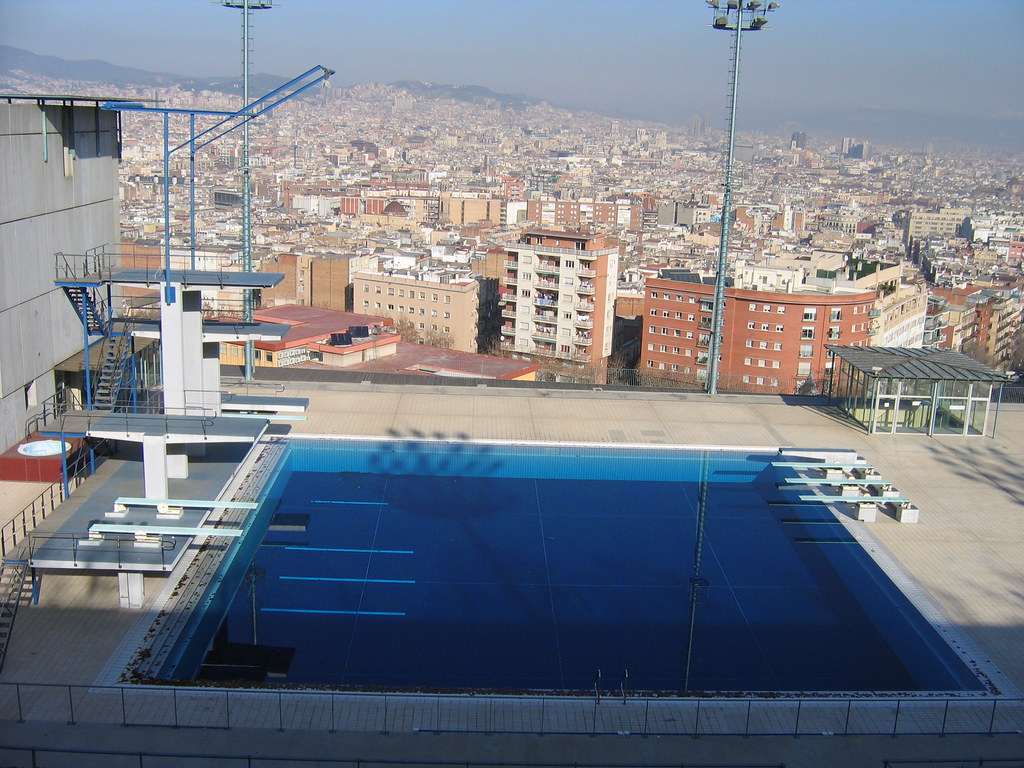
(823, 61)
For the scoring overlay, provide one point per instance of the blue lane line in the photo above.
(331, 578)
(347, 613)
(332, 501)
(364, 551)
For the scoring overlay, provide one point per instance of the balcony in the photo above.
(510, 280)
(546, 317)
(582, 357)
(512, 264)
(872, 331)
(547, 268)
(586, 288)
(550, 285)
(584, 341)
(540, 301)
(508, 330)
(509, 312)
(543, 333)
(583, 322)
(585, 306)
(583, 272)
(874, 313)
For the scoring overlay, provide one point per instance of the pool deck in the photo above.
(966, 552)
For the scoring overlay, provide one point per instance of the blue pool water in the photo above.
(453, 566)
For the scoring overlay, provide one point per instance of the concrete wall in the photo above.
(62, 199)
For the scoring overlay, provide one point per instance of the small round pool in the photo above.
(43, 448)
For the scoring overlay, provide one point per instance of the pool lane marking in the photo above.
(547, 575)
(363, 551)
(332, 501)
(345, 612)
(334, 578)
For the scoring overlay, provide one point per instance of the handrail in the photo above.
(103, 544)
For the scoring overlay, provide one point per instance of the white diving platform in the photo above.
(131, 501)
(164, 530)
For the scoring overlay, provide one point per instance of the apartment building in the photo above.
(623, 214)
(442, 305)
(321, 280)
(558, 297)
(946, 222)
(771, 341)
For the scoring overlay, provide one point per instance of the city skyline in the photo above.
(892, 72)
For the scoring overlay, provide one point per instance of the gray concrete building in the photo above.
(58, 193)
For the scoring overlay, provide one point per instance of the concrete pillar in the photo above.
(154, 465)
(211, 376)
(172, 363)
(177, 461)
(130, 590)
(192, 351)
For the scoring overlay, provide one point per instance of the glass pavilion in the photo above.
(893, 390)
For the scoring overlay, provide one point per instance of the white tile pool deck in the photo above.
(967, 552)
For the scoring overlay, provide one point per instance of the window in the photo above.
(376, 305)
(806, 350)
(433, 296)
(810, 314)
(675, 368)
(807, 333)
(366, 304)
(447, 315)
(650, 347)
(391, 307)
(680, 333)
(654, 313)
(675, 350)
(689, 334)
(751, 326)
(777, 346)
(664, 348)
(750, 343)
(423, 295)
(376, 289)
(766, 308)
(679, 315)
(447, 329)
(803, 370)
(423, 326)
(765, 327)
(687, 353)
(781, 310)
(423, 311)
(835, 314)
(433, 313)
(652, 329)
(664, 331)
(690, 318)
(780, 328)
(748, 361)
(752, 307)
(447, 299)
(401, 292)
(654, 294)
(366, 289)
(833, 332)
(665, 313)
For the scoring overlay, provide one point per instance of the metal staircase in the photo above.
(89, 307)
(114, 374)
(14, 575)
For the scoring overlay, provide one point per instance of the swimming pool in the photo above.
(390, 564)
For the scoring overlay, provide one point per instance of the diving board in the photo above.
(269, 403)
(855, 499)
(164, 530)
(822, 465)
(834, 481)
(131, 501)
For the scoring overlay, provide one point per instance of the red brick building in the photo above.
(771, 342)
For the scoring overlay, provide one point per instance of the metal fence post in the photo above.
(849, 708)
(17, 690)
(647, 711)
(896, 720)
(227, 709)
(992, 720)
(696, 722)
(71, 707)
(124, 712)
(334, 727)
(174, 693)
(945, 713)
(796, 727)
(746, 728)
(280, 711)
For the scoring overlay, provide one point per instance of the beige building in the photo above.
(944, 223)
(464, 208)
(442, 306)
(559, 297)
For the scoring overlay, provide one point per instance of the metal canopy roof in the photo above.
(910, 363)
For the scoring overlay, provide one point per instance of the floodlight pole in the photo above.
(247, 295)
(738, 16)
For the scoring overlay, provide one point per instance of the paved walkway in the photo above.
(965, 553)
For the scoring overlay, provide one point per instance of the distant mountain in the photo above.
(15, 62)
(473, 94)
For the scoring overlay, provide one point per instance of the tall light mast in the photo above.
(736, 16)
(247, 295)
